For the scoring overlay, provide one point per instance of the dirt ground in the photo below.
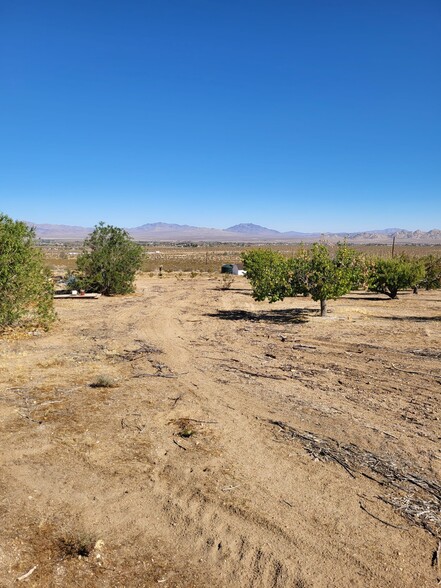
(188, 436)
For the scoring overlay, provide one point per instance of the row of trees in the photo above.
(107, 264)
(110, 259)
(323, 276)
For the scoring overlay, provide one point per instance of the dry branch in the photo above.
(412, 495)
(363, 508)
(230, 368)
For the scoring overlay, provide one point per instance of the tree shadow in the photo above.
(417, 319)
(288, 315)
(363, 298)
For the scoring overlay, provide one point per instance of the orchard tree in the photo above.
(432, 277)
(109, 261)
(331, 277)
(314, 272)
(268, 273)
(26, 290)
(388, 276)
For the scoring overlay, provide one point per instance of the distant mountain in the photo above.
(243, 232)
(163, 227)
(174, 232)
(47, 231)
(251, 229)
(297, 235)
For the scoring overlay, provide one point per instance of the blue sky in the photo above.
(307, 115)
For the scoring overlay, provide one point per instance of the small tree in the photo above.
(432, 277)
(268, 273)
(26, 290)
(331, 277)
(387, 276)
(109, 261)
(313, 272)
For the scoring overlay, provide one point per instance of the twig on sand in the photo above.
(255, 374)
(363, 508)
(179, 445)
(394, 367)
(24, 576)
(157, 375)
(436, 558)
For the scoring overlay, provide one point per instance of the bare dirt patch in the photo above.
(227, 443)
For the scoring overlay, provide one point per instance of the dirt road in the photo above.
(227, 443)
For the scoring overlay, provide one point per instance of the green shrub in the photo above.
(26, 290)
(109, 261)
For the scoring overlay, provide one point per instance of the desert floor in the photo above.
(242, 444)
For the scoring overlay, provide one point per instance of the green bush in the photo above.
(388, 276)
(109, 261)
(26, 290)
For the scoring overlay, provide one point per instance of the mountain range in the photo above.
(244, 232)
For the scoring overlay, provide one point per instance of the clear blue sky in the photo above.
(294, 114)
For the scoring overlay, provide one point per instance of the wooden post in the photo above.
(393, 245)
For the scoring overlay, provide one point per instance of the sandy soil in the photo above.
(242, 444)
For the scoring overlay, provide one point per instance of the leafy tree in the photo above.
(313, 272)
(109, 261)
(268, 273)
(26, 290)
(387, 276)
(331, 277)
(432, 277)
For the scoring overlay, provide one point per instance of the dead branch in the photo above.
(413, 496)
(363, 508)
(255, 374)
(179, 445)
(436, 558)
(394, 367)
(157, 375)
(24, 576)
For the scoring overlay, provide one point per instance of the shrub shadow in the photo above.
(289, 315)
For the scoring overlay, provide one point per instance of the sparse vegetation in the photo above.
(227, 281)
(103, 382)
(75, 545)
(26, 291)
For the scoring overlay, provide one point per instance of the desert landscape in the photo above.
(188, 436)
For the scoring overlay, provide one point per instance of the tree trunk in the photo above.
(415, 289)
(323, 307)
